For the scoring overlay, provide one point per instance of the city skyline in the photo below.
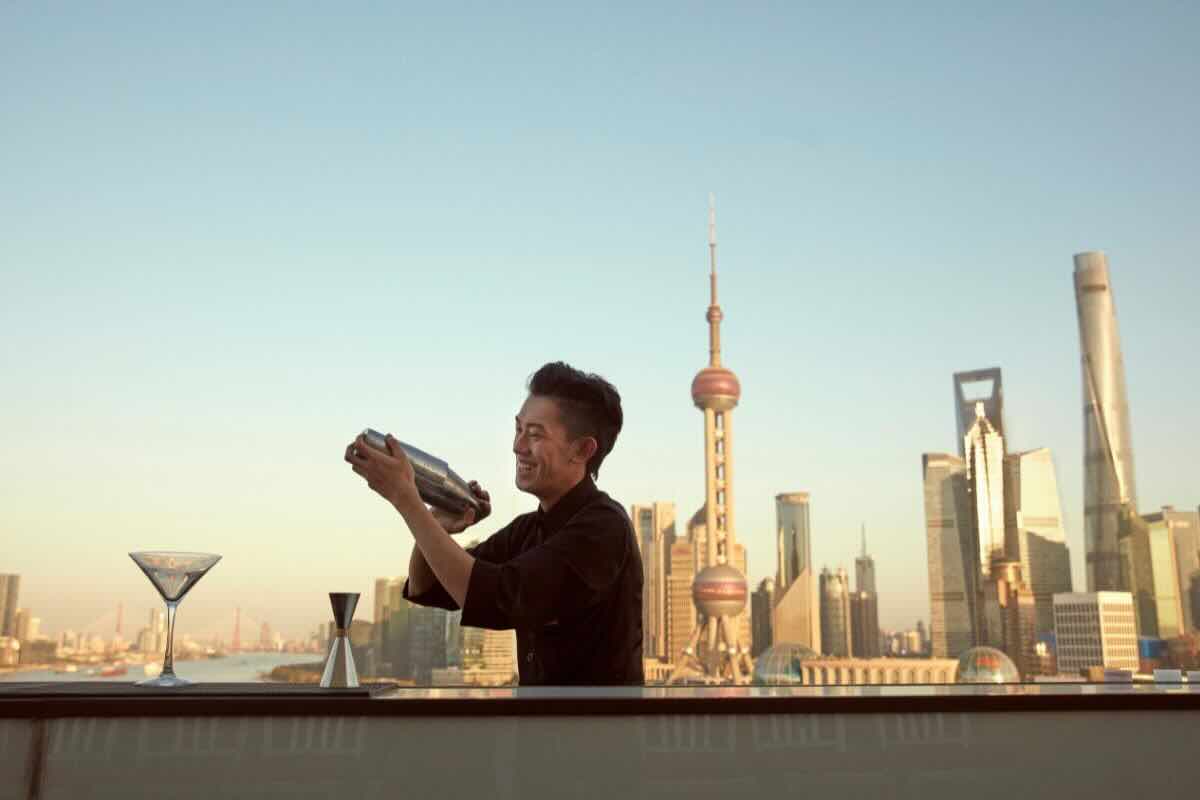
(221, 254)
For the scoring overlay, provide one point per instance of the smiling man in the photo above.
(567, 576)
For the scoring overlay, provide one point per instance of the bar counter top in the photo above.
(28, 700)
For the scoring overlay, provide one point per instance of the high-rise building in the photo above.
(864, 606)
(1033, 518)
(717, 649)
(984, 448)
(762, 603)
(1095, 629)
(835, 612)
(681, 611)
(794, 614)
(1153, 577)
(1009, 616)
(973, 387)
(1185, 530)
(21, 625)
(864, 625)
(952, 559)
(654, 525)
(1109, 485)
(9, 594)
(864, 568)
(426, 642)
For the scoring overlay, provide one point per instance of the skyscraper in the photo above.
(762, 602)
(1154, 578)
(864, 568)
(1185, 531)
(387, 592)
(794, 614)
(977, 386)
(835, 612)
(864, 606)
(1008, 615)
(864, 625)
(1033, 517)
(9, 594)
(1109, 485)
(717, 648)
(952, 559)
(984, 448)
(655, 528)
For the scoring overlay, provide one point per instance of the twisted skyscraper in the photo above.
(1110, 494)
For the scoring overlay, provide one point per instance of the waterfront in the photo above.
(239, 668)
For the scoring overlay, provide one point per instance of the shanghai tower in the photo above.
(1109, 491)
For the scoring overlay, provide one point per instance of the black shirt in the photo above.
(570, 582)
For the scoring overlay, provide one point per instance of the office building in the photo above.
(835, 613)
(1109, 485)
(1034, 521)
(864, 606)
(864, 625)
(762, 603)
(654, 526)
(426, 643)
(984, 447)
(1009, 616)
(9, 595)
(1154, 577)
(1185, 531)
(1095, 629)
(952, 558)
(864, 568)
(971, 388)
(795, 587)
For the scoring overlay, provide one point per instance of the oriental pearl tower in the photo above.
(719, 589)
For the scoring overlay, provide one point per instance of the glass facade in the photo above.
(835, 613)
(793, 618)
(950, 555)
(1109, 481)
(1036, 524)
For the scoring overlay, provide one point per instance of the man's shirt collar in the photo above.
(567, 505)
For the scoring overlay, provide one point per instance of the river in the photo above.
(239, 668)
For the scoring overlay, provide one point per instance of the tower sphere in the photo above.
(719, 591)
(716, 388)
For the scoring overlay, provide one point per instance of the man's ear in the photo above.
(584, 448)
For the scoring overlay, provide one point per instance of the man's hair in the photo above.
(588, 404)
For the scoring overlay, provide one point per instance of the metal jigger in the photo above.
(339, 666)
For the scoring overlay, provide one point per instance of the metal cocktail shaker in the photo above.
(438, 485)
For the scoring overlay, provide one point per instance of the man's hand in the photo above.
(389, 474)
(457, 523)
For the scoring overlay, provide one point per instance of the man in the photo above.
(568, 576)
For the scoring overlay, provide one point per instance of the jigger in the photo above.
(339, 666)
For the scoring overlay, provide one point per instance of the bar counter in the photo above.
(262, 740)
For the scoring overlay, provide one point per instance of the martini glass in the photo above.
(173, 574)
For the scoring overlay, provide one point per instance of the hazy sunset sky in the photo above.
(232, 238)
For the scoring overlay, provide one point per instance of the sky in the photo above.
(232, 238)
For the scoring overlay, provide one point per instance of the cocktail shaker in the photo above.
(438, 485)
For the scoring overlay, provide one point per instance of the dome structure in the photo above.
(780, 664)
(985, 665)
(719, 591)
(716, 388)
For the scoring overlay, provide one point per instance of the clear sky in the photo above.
(232, 238)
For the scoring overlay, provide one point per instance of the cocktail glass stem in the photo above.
(169, 655)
